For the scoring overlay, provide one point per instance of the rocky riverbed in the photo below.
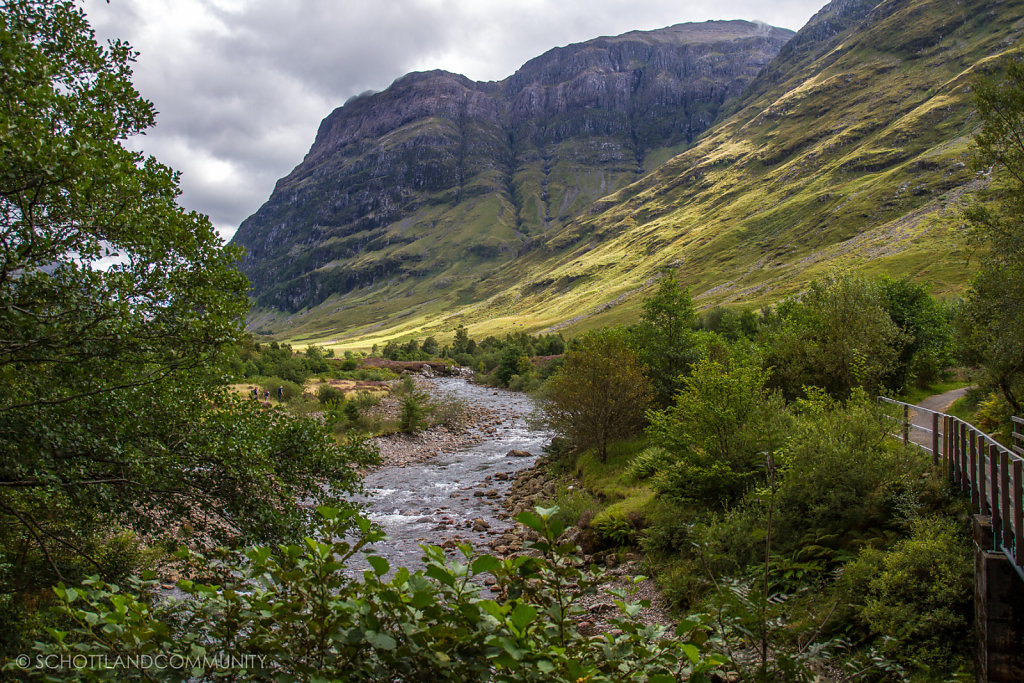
(445, 487)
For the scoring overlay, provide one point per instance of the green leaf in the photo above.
(485, 564)
(531, 521)
(381, 641)
(379, 564)
(522, 615)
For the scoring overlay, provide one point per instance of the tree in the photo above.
(717, 430)
(991, 323)
(927, 330)
(600, 394)
(664, 336)
(113, 413)
(837, 336)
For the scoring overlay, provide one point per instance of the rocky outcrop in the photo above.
(440, 176)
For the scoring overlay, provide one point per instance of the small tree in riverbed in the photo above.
(600, 394)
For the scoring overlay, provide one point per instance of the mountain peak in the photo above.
(441, 177)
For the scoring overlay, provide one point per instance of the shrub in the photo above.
(917, 594)
(325, 393)
(291, 392)
(450, 411)
(299, 609)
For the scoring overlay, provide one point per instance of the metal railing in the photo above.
(992, 474)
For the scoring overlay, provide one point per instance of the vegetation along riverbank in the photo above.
(706, 494)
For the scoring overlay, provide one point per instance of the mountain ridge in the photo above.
(848, 151)
(436, 153)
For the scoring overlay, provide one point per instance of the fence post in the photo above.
(964, 455)
(972, 441)
(906, 424)
(935, 439)
(997, 517)
(947, 445)
(1004, 499)
(982, 475)
(1018, 516)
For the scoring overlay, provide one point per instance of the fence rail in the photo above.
(992, 474)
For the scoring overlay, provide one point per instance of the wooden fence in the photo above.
(970, 459)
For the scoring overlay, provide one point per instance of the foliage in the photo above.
(113, 415)
(650, 461)
(663, 337)
(298, 611)
(837, 336)
(600, 393)
(917, 594)
(326, 393)
(414, 406)
(716, 431)
(927, 329)
(450, 411)
(990, 320)
(278, 385)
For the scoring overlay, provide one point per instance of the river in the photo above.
(448, 495)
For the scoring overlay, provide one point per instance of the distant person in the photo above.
(266, 395)
(255, 393)
(280, 393)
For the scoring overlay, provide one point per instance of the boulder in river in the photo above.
(518, 454)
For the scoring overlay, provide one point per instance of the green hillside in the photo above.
(850, 151)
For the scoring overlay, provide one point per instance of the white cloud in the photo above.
(241, 85)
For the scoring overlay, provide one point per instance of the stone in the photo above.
(518, 454)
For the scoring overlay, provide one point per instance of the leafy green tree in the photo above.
(837, 336)
(461, 342)
(664, 337)
(991, 324)
(112, 409)
(430, 347)
(513, 361)
(600, 394)
(414, 406)
(927, 331)
(717, 431)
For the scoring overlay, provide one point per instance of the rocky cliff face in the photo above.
(437, 179)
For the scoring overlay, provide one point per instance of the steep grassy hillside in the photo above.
(849, 151)
(439, 180)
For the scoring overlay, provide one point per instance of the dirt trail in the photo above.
(923, 420)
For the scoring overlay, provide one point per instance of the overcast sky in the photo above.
(241, 85)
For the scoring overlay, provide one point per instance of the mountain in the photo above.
(849, 150)
(439, 179)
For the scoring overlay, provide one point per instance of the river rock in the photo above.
(518, 454)
(479, 525)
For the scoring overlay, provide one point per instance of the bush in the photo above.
(450, 411)
(291, 392)
(575, 505)
(299, 608)
(918, 594)
(325, 393)
(414, 406)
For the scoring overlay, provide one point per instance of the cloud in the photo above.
(241, 86)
